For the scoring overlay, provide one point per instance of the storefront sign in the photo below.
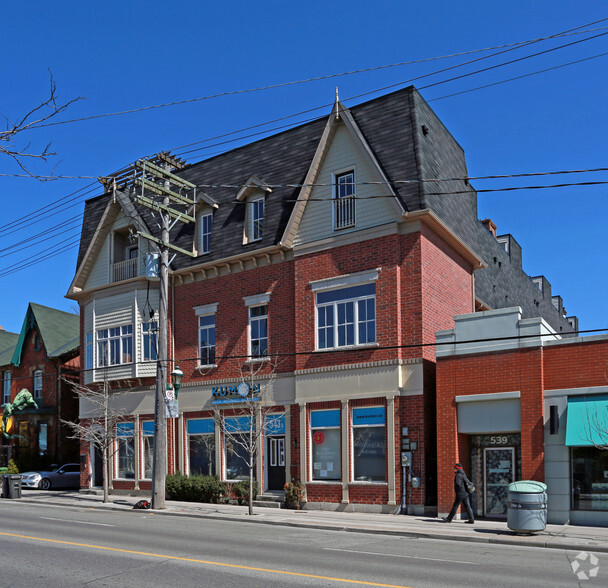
(230, 394)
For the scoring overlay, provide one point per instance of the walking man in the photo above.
(462, 495)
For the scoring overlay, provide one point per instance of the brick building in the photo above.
(530, 404)
(319, 264)
(43, 358)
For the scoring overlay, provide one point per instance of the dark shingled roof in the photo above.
(409, 142)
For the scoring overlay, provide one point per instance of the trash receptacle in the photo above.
(527, 512)
(11, 486)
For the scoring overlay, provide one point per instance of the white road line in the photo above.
(470, 563)
(79, 522)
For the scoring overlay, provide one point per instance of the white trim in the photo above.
(347, 280)
(205, 309)
(257, 299)
(488, 397)
(577, 391)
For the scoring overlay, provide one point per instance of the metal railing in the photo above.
(344, 212)
(125, 270)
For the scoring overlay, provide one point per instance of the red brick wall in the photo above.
(576, 366)
(447, 288)
(508, 371)
(528, 370)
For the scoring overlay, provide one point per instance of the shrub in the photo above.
(12, 467)
(195, 488)
(294, 494)
(241, 491)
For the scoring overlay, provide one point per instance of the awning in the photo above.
(587, 421)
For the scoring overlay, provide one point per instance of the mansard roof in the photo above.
(412, 149)
(279, 161)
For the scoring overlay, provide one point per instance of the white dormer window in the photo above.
(504, 242)
(204, 233)
(256, 219)
(253, 194)
(344, 200)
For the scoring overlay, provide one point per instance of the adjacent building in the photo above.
(44, 359)
(315, 267)
(516, 400)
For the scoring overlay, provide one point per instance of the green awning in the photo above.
(587, 421)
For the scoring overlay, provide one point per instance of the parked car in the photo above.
(65, 476)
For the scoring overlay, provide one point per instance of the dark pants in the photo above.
(461, 499)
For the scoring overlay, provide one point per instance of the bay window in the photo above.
(115, 346)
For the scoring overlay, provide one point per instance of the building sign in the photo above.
(240, 393)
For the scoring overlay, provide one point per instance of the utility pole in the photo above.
(167, 212)
(159, 466)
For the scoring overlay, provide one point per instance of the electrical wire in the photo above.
(227, 357)
(534, 73)
(508, 46)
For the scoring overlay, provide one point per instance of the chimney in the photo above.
(488, 224)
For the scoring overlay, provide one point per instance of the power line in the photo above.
(36, 214)
(179, 150)
(534, 73)
(50, 252)
(563, 336)
(515, 45)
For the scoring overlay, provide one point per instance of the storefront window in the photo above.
(237, 447)
(201, 447)
(125, 433)
(147, 435)
(589, 478)
(325, 433)
(369, 444)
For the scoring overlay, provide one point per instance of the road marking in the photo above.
(469, 563)
(79, 522)
(203, 561)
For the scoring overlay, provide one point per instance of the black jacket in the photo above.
(459, 483)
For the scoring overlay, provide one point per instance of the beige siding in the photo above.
(88, 312)
(147, 369)
(345, 153)
(114, 311)
(100, 273)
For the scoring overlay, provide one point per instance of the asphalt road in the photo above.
(58, 546)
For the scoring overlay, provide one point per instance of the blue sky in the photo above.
(130, 55)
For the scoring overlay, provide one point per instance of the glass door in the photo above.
(499, 472)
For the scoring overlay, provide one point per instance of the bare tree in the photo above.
(98, 422)
(36, 117)
(244, 426)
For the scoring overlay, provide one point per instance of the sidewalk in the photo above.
(555, 536)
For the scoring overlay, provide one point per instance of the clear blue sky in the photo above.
(130, 55)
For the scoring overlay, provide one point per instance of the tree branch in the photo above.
(34, 118)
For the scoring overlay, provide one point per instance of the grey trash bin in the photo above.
(527, 512)
(11, 486)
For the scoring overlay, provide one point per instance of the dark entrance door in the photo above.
(275, 462)
(97, 468)
(499, 473)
